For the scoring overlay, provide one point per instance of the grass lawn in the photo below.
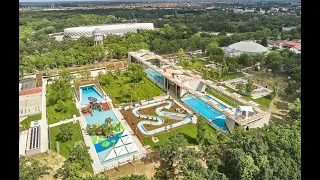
(189, 131)
(231, 76)
(54, 116)
(263, 101)
(190, 65)
(224, 98)
(143, 90)
(26, 123)
(66, 146)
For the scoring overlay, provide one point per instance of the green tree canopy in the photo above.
(65, 133)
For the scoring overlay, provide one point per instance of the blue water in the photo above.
(219, 104)
(90, 91)
(100, 116)
(207, 111)
(154, 75)
(99, 146)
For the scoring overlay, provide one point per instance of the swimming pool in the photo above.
(90, 91)
(207, 111)
(154, 75)
(218, 103)
(100, 116)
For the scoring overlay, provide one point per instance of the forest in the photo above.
(272, 152)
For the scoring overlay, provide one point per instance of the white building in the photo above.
(245, 47)
(119, 29)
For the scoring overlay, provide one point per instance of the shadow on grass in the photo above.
(189, 139)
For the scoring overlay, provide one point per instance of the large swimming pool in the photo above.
(207, 111)
(218, 103)
(90, 91)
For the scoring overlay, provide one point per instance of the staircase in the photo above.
(105, 106)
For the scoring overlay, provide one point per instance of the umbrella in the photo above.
(92, 99)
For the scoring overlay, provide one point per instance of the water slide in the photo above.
(158, 120)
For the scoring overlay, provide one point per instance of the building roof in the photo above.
(248, 46)
(274, 42)
(291, 44)
(108, 29)
(97, 31)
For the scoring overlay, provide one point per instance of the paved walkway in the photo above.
(44, 122)
(64, 122)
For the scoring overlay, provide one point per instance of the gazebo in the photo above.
(247, 109)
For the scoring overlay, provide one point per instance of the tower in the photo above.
(97, 37)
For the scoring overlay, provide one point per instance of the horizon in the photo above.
(235, 1)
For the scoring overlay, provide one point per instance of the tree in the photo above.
(108, 120)
(249, 87)
(214, 50)
(70, 170)
(264, 42)
(181, 55)
(291, 88)
(96, 178)
(133, 177)
(241, 88)
(60, 106)
(190, 165)
(136, 72)
(171, 149)
(30, 168)
(65, 75)
(59, 90)
(246, 168)
(275, 91)
(295, 109)
(65, 133)
(79, 160)
(274, 61)
(201, 128)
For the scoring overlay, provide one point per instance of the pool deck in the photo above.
(44, 122)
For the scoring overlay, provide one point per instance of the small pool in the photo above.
(90, 91)
(207, 111)
(100, 116)
(154, 75)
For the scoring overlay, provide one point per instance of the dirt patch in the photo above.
(111, 67)
(267, 79)
(138, 167)
(119, 65)
(53, 160)
(280, 110)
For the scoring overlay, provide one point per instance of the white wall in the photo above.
(230, 124)
(195, 85)
(260, 123)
